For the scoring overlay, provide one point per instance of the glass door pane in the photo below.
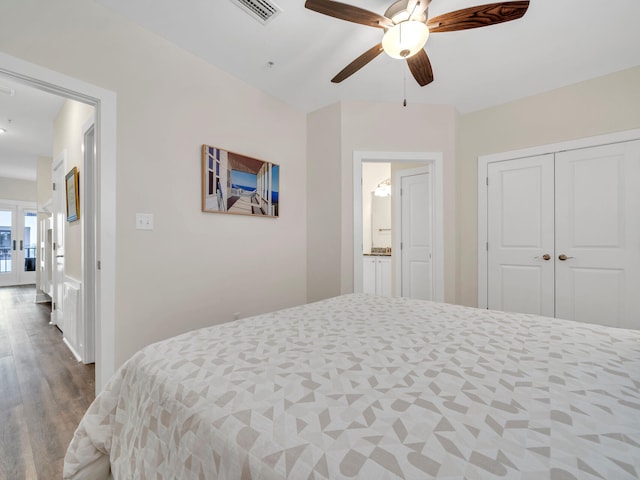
(6, 240)
(30, 240)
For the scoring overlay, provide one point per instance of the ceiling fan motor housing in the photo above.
(402, 9)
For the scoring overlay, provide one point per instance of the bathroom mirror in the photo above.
(376, 208)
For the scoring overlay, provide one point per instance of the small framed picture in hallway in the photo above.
(73, 200)
(237, 184)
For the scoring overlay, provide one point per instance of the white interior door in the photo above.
(598, 235)
(416, 235)
(59, 213)
(520, 228)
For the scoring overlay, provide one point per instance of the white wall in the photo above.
(21, 190)
(194, 269)
(603, 105)
(68, 135)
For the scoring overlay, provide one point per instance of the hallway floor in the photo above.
(44, 391)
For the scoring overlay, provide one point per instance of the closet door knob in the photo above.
(546, 256)
(563, 257)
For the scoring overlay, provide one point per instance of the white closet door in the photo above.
(520, 235)
(598, 230)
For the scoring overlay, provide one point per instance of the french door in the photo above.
(18, 244)
(564, 235)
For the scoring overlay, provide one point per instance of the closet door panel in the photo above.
(520, 235)
(598, 234)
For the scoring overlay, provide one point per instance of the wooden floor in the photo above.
(44, 391)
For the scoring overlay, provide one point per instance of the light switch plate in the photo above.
(144, 221)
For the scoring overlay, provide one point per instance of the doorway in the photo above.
(100, 258)
(434, 215)
(18, 233)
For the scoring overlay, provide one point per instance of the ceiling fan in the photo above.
(407, 27)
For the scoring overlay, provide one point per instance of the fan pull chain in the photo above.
(404, 104)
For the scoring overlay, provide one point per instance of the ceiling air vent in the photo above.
(262, 10)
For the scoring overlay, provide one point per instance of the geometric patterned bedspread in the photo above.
(368, 387)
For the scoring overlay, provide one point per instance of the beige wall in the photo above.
(334, 133)
(194, 269)
(44, 181)
(603, 105)
(68, 135)
(323, 199)
(394, 128)
(21, 190)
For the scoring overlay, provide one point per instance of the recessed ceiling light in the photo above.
(7, 90)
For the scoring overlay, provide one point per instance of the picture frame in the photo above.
(238, 184)
(73, 195)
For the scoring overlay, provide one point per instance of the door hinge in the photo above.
(401, 245)
(53, 306)
(54, 245)
(487, 246)
(54, 186)
(487, 179)
(99, 265)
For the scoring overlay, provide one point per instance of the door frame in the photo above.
(397, 222)
(483, 165)
(57, 284)
(102, 188)
(88, 255)
(435, 161)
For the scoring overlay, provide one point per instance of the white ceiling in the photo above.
(557, 43)
(28, 117)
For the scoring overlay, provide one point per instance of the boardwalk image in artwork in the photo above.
(233, 183)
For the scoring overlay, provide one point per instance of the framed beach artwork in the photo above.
(237, 184)
(73, 197)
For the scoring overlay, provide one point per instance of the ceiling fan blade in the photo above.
(348, 13)
(420, 67)
(358, 63)
(479, 16)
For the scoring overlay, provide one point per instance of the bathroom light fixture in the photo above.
(7, 90)
(383, 189)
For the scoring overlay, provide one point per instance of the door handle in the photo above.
(546, 256)
(21, 245)
(14, 245)
(563, 257)
(59, 256)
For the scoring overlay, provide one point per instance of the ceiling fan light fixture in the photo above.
(405, 39)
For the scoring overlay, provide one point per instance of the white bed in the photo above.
(372, 388)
